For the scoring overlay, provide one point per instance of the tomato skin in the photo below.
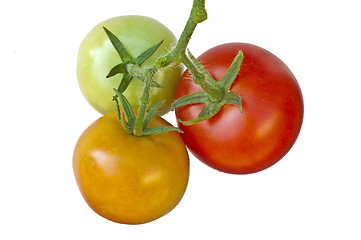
(97, 56)
(128, 179)
(248, 142)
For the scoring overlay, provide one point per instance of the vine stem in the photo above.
(144, 101)
(178, 54)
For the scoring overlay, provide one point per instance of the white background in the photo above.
(312, 193)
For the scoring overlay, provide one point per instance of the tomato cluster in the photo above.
(239, 110)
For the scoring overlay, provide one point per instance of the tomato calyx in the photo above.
(137, 125)
(130, 67)
(213, 101)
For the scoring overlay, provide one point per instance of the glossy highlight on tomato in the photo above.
(248, 142)
(129, 179)
(97, 56)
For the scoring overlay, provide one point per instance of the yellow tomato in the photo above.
(129, 179)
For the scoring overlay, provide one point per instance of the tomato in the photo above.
(272, 102)
(129, 179)
(97, 56)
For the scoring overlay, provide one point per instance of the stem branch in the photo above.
(198, 15)
(178, 54)
(200, 79)
(144, 102)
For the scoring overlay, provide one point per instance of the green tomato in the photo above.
(97, 57)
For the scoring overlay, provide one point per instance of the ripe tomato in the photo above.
(251, 141)
(97, 56)
(129, 179)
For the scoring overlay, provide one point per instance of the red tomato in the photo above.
(254, 140)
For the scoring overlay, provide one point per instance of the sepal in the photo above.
(226, 82)
(128, 60)
(151, 114)
(118, 45)
(209, 110)
(127, 108)
(198, 97)
(232, 98)
(120, 68)
(146, 54)
(157, 130)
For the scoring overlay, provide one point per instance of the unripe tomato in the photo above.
(97, 56)
(129, 179)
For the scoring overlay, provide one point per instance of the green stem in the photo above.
(178, 54)
(198, 15)
(200, 79)
(144, 102)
